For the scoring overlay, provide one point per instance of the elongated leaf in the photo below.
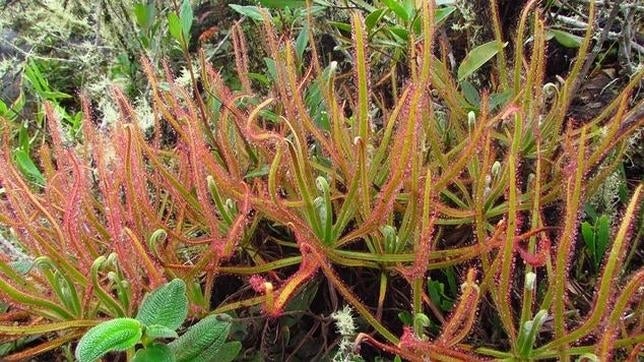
(166, 306)
(442, 13)
(114, 335)
(373, 18)
(477, 57)
(186, 16)
(209, 334)
(174, 26)
(252, 12)
(302, 41)
(28, 167)
(565, 38)
(282, 4)
(602, 230)
(588, 234)
(144, 14)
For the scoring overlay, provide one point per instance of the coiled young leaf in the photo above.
(208, 335)
(166, 306)
(114, 335)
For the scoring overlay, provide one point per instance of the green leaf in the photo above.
(406, 318)
(565, 38)
(588, 234)
(27, 166)
(436, 291)
(174, 26)
(186, 16)
(271, 68)
(144, 14)
(397, 8)
(157, 331)
(499, 99)
(340, 26)
(602, 229)
(373, 18)
(471, 94)
(477, 57)
(166, 306)
(302, 41)
(155, 353)
(258, 172)
(442, 13)
(114, 335)
(225, 353)
(399, 32)
(209, 334)
(281, 4)
(529, 332)
(252, 12)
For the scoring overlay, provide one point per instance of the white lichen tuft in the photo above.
(345, 325)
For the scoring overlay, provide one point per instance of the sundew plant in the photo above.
(282, 192)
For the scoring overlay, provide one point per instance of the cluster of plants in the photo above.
(388, 210)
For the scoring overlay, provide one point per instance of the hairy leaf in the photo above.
(166, 306)
(154, 353)
(209, 334)
(156, 331)
(114, 335)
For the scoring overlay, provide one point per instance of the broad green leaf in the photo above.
(566, 39)
(477, 57)
(281, 4)
(471, 94)
(373, 18)
(271, 68)
(155, 353)
(302, 41)
(174, 26)
(208, 334)
(442, 13)
(157, 331)
(186, 17)
(166, 306)
(144, 14)
(225, 353)
(114, 335)
(397, 8)
(399, 32)
(252, 12)
(499, 99)
(27, 166)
